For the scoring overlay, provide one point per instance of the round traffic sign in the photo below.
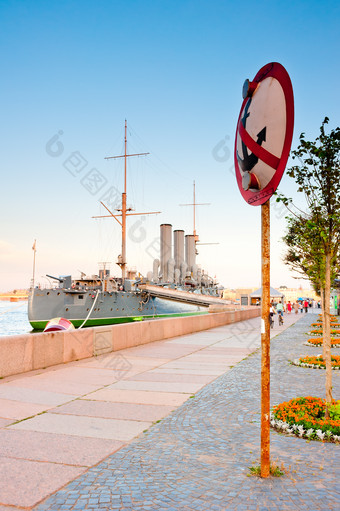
(264, 133)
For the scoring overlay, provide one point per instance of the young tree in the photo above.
(314, 236)
(305, 255)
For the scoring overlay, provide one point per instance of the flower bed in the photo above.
(304, 417)
(333, 319)
(317, 362)
(318, 341)
(333, 325)
(320, 332)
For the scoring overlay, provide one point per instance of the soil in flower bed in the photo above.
(318, 341)
(318, 361)
(305, 417)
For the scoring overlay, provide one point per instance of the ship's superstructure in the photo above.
(177, 265)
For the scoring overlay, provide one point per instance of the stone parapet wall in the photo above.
(29, 352)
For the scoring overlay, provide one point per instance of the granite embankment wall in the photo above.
(28, 352)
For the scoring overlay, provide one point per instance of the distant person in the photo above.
(319, 305)
(271, 315)
(296, 307)
(305, 304)
(279, 308)
(300, 307)
(289, 307)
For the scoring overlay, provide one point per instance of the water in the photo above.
(13, 318)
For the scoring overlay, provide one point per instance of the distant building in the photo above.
(237, 295)
(252, 296)
(293, 295)
(275, 296)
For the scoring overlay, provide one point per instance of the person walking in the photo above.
(271, 315)
(289, 307)
(305, 306)
(296, 307)
(279, 310)
(301, 307)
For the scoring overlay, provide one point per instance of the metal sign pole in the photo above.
(265, 124)
(265, 340)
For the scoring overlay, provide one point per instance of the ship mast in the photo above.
(194, 204)
(124, 210)
(122, 264)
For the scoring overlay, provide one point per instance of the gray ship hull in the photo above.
(95, 308)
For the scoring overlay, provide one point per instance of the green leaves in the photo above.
(316, 231)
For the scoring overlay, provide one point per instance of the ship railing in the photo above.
(45, 285)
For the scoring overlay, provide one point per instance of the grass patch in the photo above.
(274, 470)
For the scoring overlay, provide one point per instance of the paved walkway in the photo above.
(195, 458)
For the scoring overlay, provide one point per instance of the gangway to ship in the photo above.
(182, 296)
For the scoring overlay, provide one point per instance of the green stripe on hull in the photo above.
(40, 325)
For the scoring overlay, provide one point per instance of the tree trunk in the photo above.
(327, 332)
(323, 321)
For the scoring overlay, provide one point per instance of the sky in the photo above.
(73, 71)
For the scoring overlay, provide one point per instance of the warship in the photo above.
(176, 286)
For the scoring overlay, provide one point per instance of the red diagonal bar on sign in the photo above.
(259, 151)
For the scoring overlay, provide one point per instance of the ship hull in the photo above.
(102, 308)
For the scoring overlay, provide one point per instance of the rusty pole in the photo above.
(265, 340)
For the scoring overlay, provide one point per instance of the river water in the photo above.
(13, 318)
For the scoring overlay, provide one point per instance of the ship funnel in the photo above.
(166, 249)
(190, 251)
(178, 248)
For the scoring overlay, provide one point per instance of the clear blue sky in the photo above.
(174, 70)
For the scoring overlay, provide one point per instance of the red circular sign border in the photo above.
(277, 71)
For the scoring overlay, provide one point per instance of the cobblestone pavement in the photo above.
(198, 457)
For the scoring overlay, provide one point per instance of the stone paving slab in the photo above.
(162, 376)
(215, 350)
(93, 427)
(198, 457)
(157, 386)
(192, 340)
(109, 359)
(140, 397)
(90, 375)
(218, 359)
(5, 422)
(17, 411)
(183, 364)
(64, 449)
(42, 397)
(162, 351)
(192, 372)
(55, 384)
(110, 410)
(23, 482)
